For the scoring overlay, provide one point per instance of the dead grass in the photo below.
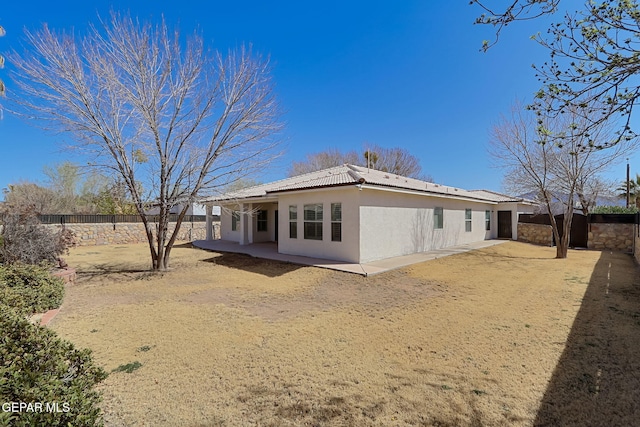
(503, 336)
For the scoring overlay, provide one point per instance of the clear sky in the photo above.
(395, 73)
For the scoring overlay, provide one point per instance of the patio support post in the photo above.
(209, 223)
(244, 226)
(250, 220)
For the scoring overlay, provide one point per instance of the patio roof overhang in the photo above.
(237, 201)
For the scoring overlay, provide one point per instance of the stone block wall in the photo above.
(538, 234)
(131, 232)
(616, 237)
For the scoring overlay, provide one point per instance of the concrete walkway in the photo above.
(270, 251)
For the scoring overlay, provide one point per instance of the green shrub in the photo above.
(30, 288)
(38, 367)
(614, 210)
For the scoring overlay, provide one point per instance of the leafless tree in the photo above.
(394, 160)
(323, 160)
(24, 196)
(557, 173)
(153, 108)
(2, 33)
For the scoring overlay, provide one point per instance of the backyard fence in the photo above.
(593, 231)
(112, 219)
(91, 230)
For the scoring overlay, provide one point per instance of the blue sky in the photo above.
(406, 73)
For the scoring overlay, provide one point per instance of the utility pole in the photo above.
(628, 183)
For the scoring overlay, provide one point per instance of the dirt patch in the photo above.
(333, 290)
(502, 336)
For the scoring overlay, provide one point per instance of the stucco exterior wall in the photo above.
(123, 233)
(249, 218)
(225, 225)
(394, 224)
(345, 250)
(516, 209)
(376, 224)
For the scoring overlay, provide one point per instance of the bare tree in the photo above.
(590, 190)
(128, 91)
(323, 160)
(394, 160)
(2, 33)
(28, 196)
(557, 173)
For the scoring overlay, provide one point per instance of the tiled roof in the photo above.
(352, 175)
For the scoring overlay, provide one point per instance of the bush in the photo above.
(30, 288)
(39, 368)
(25, 240)
(614, 210)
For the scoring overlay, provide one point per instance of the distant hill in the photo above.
(558, 204)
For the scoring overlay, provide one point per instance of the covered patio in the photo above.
(269, 250)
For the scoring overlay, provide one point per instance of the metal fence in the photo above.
(112, 219)
(591, 218)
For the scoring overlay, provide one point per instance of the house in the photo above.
(356, 214)
(193, 209)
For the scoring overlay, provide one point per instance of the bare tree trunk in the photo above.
(563, 245)
(134, 93)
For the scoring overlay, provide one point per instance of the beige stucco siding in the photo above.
(249, 219)
(225, 225)
(376, 223)
(395, 223)
(516, 209)
(347, 249)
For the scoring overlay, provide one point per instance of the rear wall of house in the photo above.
(347, 249)
(396, 223)
(249, 218)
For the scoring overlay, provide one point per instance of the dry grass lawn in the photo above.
(504, 336)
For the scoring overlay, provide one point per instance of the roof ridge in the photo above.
(351, 170)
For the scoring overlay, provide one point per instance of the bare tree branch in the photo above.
(555, 173)
(160, 112)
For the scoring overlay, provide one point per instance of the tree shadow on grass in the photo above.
(597, 379)
(110, 269)
(265, 267)
(187, 245)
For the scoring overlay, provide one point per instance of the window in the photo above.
(293, 222)
(336, 222)
(467, 220)
(313, 221)
(438, 218)
(262, 221)
(235, 219)
(487, 220)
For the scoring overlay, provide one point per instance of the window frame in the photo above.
(235, 219)
(293, 221)
(313, 224)
(438, 218)
(336, 222)
(468, 220)
(262, 221)
(487, 220)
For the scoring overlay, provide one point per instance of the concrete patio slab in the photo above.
(270, 251)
